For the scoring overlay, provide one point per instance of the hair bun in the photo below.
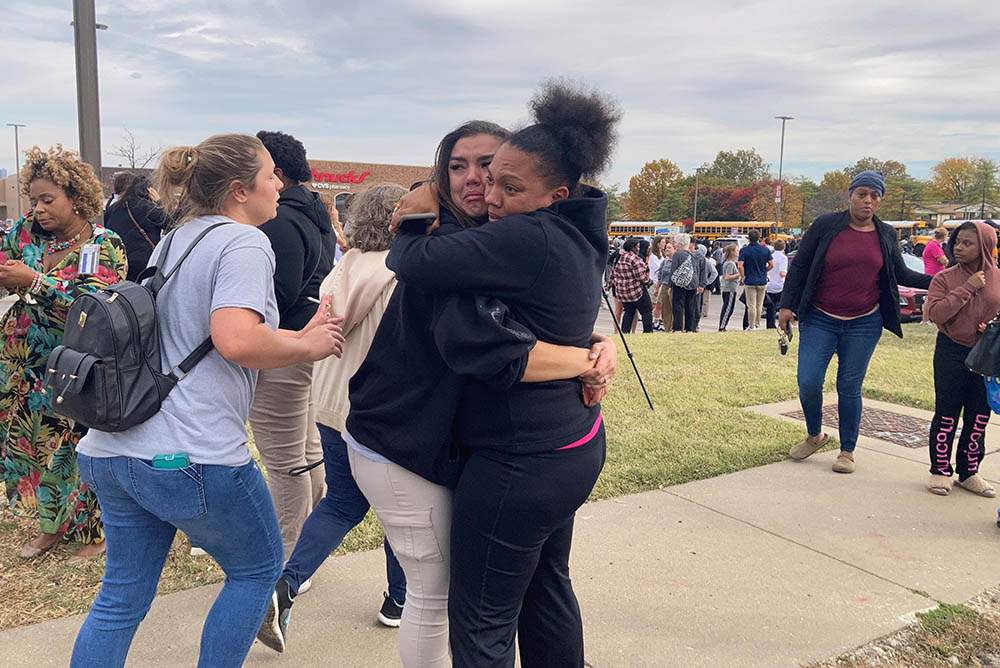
(582, 120)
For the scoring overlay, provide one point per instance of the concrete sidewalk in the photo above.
(773, 566)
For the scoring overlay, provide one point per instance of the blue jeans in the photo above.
(226, 510)
(342, 509)
(854, 341)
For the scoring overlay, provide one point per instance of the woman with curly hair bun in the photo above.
(40, 261)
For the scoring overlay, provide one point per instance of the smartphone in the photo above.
(416, 223)
(179, 460)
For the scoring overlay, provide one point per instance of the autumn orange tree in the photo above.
(648, 188)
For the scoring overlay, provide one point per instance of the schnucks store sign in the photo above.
(328, 180)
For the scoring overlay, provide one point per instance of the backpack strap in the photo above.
(193, 358)
(159, 278)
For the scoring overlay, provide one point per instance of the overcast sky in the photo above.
(382, 81)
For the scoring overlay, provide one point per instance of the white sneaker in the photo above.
(305, 586)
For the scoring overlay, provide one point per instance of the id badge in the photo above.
(89, 255)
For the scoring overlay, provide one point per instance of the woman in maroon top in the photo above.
(842, 285)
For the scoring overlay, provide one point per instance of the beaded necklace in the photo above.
(57, 246)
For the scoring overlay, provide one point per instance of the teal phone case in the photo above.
(178, 460)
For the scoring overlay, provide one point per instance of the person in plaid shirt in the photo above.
(631, 278)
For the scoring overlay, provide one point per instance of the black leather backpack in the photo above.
(107, 374)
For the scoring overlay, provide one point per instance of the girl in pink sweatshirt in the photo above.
(960, 300)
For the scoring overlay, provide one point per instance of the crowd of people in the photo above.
(669, 283)
(444, 375)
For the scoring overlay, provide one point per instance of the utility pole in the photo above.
(781, 159)
(17, 163)
(88, 108)
(697, 173)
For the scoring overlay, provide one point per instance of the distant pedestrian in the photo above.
(119, 184)
(729, 279)
(843, 287)
(139, 221)
(775, 283)
(630, 278)
(684, 279)
(655, 262)
(711, 277)
(934, 256)
(754, 263)
(665, 293)
(961, 299)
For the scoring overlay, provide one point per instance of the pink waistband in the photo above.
(585, 439)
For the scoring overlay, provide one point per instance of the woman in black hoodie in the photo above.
(285, 432)
(536, 449)
(139, 221)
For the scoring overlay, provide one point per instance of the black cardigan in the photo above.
(807, 265)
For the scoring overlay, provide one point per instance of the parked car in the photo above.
(911, 300)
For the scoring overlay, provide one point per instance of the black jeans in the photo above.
(957, 390)
(511, 534)
(685, 309)
(728, 302)
(771, 301)
(645, 308)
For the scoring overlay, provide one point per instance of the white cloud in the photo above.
(384, 79)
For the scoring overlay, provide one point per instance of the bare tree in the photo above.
(134, 154)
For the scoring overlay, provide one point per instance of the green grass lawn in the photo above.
(699, 385)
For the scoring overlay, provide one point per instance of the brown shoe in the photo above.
(977, 485)
(844, 463)
(807, 447)
(939, 484)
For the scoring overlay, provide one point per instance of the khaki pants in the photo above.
(416, 516)
(666, 308)
(755, 302)
(286, 437)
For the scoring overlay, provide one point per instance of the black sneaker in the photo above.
(391, 613)
(275, 627)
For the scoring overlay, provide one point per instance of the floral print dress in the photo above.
(38, 447)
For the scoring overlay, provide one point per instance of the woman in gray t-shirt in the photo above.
(188, 467)
(729, 282)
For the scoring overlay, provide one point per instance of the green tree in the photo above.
(986, 187)
(675, 205)
(889, 168)
(648, 188)
(742, 167)
(616, 201)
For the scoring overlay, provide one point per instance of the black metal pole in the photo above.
(628, 352)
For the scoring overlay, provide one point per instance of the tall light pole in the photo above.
(781, 158)
(17, 163)
(697, 173)
(88, 109)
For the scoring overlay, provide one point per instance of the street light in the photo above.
(17, 163)
(781, 158)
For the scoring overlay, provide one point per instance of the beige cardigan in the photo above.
(361, 286)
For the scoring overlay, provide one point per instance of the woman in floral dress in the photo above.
(40, 261)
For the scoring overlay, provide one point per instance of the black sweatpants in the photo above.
(957, 391)
(728, 303)
(685, 309)
(511, 534)
(645, 308)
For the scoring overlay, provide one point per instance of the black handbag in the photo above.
(984, 358)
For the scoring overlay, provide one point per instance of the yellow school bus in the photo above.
(714, 229)
(649, 228)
